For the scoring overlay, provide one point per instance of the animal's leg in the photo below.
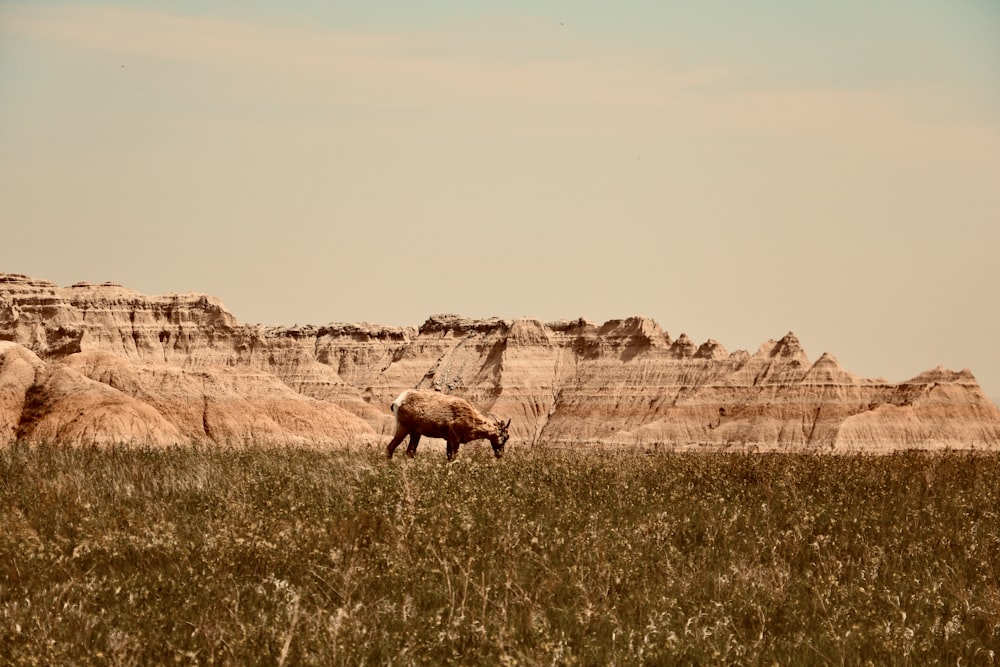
(411, 449)
(396, 439)
(452, 440)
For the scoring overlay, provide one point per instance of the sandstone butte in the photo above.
(101, 364)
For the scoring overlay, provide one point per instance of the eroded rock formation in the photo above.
(103, 364)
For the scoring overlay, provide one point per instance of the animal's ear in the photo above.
(507, 425)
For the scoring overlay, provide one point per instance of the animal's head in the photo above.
(501, 438)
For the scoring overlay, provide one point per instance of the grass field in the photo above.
(289, 557)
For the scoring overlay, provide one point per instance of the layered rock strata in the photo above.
(101, 363)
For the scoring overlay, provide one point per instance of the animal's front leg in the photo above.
(411, 449)
(452, 450)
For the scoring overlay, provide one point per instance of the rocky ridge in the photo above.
(103, 364)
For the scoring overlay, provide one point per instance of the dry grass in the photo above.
(264, 556)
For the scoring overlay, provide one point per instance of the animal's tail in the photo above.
(398, 402)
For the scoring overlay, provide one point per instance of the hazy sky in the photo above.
(733, 169)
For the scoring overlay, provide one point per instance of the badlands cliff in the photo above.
(102, 364)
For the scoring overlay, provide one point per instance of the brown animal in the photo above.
(451, 418)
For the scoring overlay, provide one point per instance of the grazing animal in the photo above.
(435, 415)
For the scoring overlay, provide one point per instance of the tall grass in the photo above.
(283, 556)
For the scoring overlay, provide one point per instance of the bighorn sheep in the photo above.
(437, 415)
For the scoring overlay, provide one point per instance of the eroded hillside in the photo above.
(103, 364)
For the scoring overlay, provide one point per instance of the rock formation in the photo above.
(98, 364)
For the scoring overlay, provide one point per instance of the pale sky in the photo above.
(734, 170)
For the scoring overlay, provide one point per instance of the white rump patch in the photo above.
(399, 400)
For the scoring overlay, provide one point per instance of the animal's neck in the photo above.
(485, 429)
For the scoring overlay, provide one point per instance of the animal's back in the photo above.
(431, 412)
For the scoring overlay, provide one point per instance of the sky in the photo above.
(733, 170)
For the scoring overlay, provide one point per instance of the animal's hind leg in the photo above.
(452, 450)
(411, 449)
(396, 439)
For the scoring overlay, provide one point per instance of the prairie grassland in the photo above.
(283, 556)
